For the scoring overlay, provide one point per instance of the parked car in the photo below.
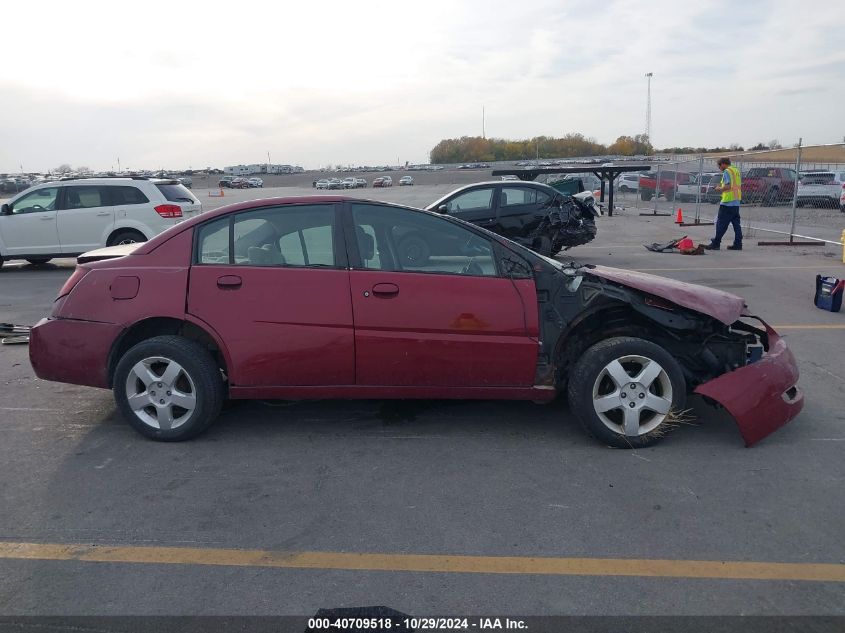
(187, 181)
(383, 181)
(406, 181)
(768, 185)
(487, 320)
(532, 214)
(628, 182)
(323, 183)
(696, 189)
(255, 182)
(842, 200)
(348, 182)
(14, 185)
(69, 217)
(668, 183)
(820, 188)
(335, 183)
(226, 181)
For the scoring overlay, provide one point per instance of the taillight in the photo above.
(169, 210)
(74, 279)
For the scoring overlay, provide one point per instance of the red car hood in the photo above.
(720, 305)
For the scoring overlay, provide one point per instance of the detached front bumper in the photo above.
(76, 352)
(762, 396)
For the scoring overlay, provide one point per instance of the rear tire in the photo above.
(126, 236)
(168, 388)
(613, 411)
(644, 195)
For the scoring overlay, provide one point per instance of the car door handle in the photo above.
(104, 213)
(47, 218)
(229, 282)
(385, 290)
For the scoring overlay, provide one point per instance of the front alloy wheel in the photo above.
(627, 391)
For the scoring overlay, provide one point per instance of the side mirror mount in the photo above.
(442, 209)
(5, 210)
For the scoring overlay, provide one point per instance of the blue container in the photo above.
(829, 292)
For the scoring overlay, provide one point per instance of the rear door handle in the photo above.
(104, 213)
(385, 290)
(47, 218)
(229, 282)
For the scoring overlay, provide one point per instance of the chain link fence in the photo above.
(788, 196)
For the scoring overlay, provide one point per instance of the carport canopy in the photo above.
(608, 172)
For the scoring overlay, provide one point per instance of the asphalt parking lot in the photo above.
(432, 507)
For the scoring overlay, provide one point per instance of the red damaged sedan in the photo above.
(308, 298)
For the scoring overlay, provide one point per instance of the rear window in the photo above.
(761, 172)
(176, 193)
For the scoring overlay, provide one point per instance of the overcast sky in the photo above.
(195, 84)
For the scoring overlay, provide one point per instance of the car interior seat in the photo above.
(73, 200)
(366, 244)
(264, 256)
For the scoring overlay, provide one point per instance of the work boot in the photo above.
(711, 247)
(735, 247)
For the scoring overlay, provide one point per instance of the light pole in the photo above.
(648, 109)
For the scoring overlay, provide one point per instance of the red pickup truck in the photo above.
(668, 183)
(768, 185)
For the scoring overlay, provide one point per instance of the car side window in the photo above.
(85, 197)
(213, 242)
(396, 239)
(513, 196)
(122, 195)
(35, 201)
(285, 236)
(474, 200)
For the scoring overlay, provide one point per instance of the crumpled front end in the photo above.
(761, 396)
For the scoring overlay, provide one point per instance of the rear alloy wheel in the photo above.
(38, 261)
(627, 391)
(126, 237)
(414, 251)
(168, 388)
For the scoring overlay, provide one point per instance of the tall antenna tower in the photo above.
(648, 108)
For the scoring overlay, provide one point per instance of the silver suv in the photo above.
(71, 216)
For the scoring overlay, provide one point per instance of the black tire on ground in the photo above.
(645, 195)
(38, 261)
(126, 236)
(590, 379)
(200, 377)
(669, 195)
(414, 251)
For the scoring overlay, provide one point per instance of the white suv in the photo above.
(69, 217)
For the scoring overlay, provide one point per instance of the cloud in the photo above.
(193, 84)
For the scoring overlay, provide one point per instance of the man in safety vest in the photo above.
(731, 190)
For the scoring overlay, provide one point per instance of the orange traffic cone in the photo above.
(679, 219)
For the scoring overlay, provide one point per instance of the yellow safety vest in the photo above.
(735, 191)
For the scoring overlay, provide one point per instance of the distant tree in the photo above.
(63, 168)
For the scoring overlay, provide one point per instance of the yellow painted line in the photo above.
(809, 327)
(652, 568)
(697, 269)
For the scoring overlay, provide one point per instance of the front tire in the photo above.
(626, 391)
(168, 388)
(38, 261)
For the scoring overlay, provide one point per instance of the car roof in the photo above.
(506, 183)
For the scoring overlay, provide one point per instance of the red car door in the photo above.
(447, 321)
(278, 296)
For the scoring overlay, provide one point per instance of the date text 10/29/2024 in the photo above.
(417, 624)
